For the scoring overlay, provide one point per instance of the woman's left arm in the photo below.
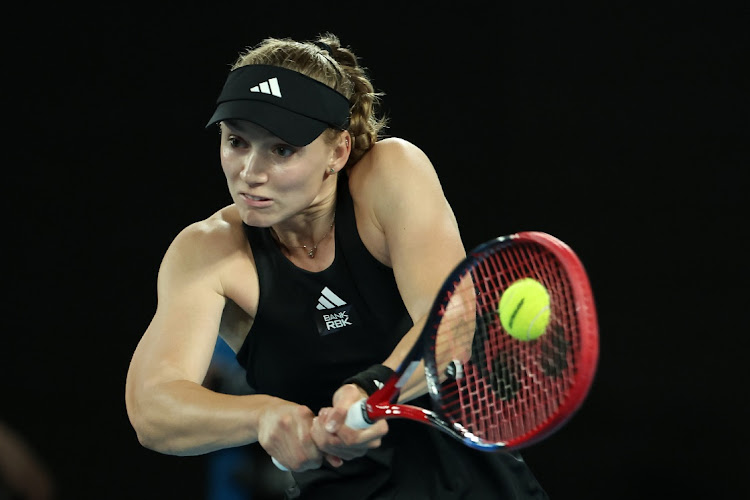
(403, 194)
(423, 239)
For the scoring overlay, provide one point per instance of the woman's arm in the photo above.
(168, 407)
(423, 239)
(400, 192)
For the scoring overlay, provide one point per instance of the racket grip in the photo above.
(356, 416)
(278, 465)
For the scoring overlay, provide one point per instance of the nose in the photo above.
(253, 170)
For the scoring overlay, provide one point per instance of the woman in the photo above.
(319, 275)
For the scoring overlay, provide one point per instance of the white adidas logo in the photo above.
(336, 313)
(270, 86)
(329, 300)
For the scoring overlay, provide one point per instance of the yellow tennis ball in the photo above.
(524, 309)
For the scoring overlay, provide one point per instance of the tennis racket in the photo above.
(488, 389)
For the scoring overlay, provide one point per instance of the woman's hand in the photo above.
(338, 441)
(284, 432)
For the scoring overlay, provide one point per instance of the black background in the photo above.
(622, 129)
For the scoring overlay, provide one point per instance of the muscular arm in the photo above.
(414, 231)
(423, 242)
(168, 407)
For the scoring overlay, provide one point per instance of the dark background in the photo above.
(622, 129)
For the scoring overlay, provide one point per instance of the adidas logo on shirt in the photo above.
(270, 86)
(336, 313)
(329, 300)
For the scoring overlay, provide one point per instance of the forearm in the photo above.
(454, 341)
(416, 385)
(184, 418)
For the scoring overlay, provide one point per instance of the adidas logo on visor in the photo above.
(270, 86)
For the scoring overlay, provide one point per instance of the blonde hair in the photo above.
(338, 69)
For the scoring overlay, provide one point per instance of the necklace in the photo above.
(311, 251)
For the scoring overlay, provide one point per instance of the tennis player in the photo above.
(319, 275)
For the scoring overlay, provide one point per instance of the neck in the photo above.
(307, 245)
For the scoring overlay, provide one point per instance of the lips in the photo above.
(255, 201)
(254, 198)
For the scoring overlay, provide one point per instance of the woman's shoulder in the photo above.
(394, 147)
(221, 223)
(219, 234)
(391, 156)
(391, 162)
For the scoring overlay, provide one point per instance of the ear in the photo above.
(340, 153)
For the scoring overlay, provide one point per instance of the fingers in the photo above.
(300, 456)
(334, 438)
(300, 441)
(331, 419)
(299, 466)
(285, 435)
(347, 395)
(334, 460)
(334, 419)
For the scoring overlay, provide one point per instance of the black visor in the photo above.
(290, 105)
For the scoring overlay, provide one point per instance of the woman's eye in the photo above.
(234, 141)
(283, 151)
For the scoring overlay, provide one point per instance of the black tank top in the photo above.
(313, 330)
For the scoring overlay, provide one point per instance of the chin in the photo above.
(251, 218)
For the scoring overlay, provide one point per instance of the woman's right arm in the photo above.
(168, 407)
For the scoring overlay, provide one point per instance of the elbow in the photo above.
(148, 432)
(145, 432)
(151, 437)
(156, 432)
(146, 438)
(160, 422)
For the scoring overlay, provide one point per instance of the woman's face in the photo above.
(270, 180)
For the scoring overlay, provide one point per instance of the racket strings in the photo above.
(497, 387)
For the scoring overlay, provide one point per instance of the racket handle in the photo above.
(278, 465)
(356, 417)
